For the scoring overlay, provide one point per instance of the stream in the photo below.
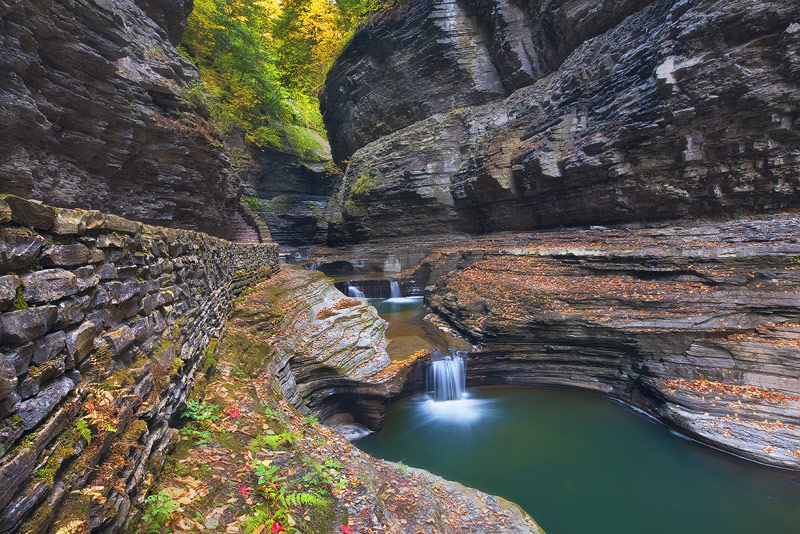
(578, 462)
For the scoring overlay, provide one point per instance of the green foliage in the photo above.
(83, 429)
(19, 301)
(262, 63)
(253, 203)
(197, 411)
(363, 185)
(159, 510)
(272, 441)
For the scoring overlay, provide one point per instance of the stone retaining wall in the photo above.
(105, 325)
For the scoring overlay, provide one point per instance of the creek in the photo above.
(579, 462)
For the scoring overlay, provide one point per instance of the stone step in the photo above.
(241, 231)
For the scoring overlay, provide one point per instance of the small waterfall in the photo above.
(353, 291)
(394, 290)
(447, 378)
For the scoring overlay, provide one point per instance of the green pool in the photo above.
(580, 463)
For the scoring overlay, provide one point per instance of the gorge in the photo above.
(594, 204)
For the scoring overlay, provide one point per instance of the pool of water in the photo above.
(580, 463)
(408, 331)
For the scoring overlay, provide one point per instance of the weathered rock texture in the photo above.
(294, 192)
(639, 111)
(92, 114)
(104, 328)
(327, 351)
(697, 324)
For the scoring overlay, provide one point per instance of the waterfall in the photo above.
(394, 290)
(447, 378)
(353, 291)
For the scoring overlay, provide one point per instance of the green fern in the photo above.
(302, 499)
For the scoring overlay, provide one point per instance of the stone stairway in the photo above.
(242, 231)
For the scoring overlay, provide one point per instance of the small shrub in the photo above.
(254, 203)
(159, 511)
(364, 185)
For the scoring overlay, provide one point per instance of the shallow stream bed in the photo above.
(581, 463)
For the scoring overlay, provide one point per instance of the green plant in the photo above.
(203, 437)
(197, 411)
(364, 185)
(349, 205)
(19, 301)
(403, 468)
(83, 429)
(159, 510)
(272, 441)
(253, 203)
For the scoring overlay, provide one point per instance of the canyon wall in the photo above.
(105, 326)
(564, 113)
(698, 324)
(95, 113)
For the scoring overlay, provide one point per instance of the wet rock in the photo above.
(33, 411)
(22, 326)
(79, 341)
(18, 248)
(64, 255)
(31, 213)
(48, 285)
(8, 379)
(69, 222)
(8, 290)
(48, 347)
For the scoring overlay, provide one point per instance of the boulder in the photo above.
(48, 285)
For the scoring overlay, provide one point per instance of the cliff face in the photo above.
(92, 114)
(636, 111)
(698, 324)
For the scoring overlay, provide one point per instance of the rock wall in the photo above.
(105, 326)
(661, 110)
(92, 114)
(697, 324)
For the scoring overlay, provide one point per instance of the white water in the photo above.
(394, 290)
(354, 292)
(447, 378)
(448, 400)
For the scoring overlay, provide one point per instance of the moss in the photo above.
(60, 455)
(350, 205)
(19, 301)
(176, 366)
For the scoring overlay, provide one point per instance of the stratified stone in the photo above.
(18, 248)
(8, 379)
(48, 347)
(79, 340)
(48, 285)
(22, 326)
(20, 358)
(8, 290)
(118, 340)
(31, 213)
(33, 411)
(69, 222)
(64, 255)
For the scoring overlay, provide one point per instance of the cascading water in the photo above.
(447, 400)
(394, 290)
(447, 378)
(353, 291)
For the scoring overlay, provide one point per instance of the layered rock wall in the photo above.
(697, 324)
(667, 109)
(105, 326)
(93, 114)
